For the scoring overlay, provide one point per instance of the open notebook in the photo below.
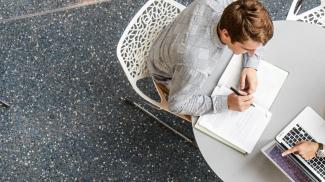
(241, 130)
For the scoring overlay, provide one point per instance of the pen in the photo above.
(237, 93)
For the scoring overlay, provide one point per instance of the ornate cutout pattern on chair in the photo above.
(142, 33)
(317, 17)
(313, 16)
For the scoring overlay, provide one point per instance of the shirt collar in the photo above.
(213, 31)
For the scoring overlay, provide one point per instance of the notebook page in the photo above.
(242, 129)
(270, 80)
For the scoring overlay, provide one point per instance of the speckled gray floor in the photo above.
(60, 73)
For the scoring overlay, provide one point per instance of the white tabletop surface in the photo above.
(298, 48)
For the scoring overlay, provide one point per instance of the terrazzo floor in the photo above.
(60, 74)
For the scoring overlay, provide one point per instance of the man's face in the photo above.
(248, 46)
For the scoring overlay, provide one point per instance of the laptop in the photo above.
(309, 126)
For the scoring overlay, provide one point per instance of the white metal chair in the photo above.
(135, 43)
(313, 16)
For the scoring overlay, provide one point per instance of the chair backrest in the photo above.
(313, 16)
(138, 36)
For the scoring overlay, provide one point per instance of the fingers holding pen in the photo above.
(239, 103)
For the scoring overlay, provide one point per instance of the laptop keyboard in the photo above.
(297, 134)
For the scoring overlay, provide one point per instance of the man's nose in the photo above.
(251, 53)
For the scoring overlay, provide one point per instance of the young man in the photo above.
(196, 48)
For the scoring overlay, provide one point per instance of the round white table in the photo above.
(298, 48)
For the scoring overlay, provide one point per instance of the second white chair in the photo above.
(313, 16)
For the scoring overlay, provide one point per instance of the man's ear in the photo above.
(225, 35)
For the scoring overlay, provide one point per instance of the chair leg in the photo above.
(151, 105)
(4, 104)
(160, 121)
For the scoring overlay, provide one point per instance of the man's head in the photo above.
(244, 26)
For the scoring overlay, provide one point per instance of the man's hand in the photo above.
(305, 149)
(248, 80)
(239, 103)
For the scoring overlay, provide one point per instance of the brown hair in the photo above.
(247, 19)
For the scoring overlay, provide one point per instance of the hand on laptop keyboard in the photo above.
(306, 149)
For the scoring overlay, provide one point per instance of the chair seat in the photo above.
(163, 93)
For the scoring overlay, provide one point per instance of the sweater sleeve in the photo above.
(253, 61)
(184, 96)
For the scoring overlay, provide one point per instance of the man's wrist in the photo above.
(251, 68)
(320, 150)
